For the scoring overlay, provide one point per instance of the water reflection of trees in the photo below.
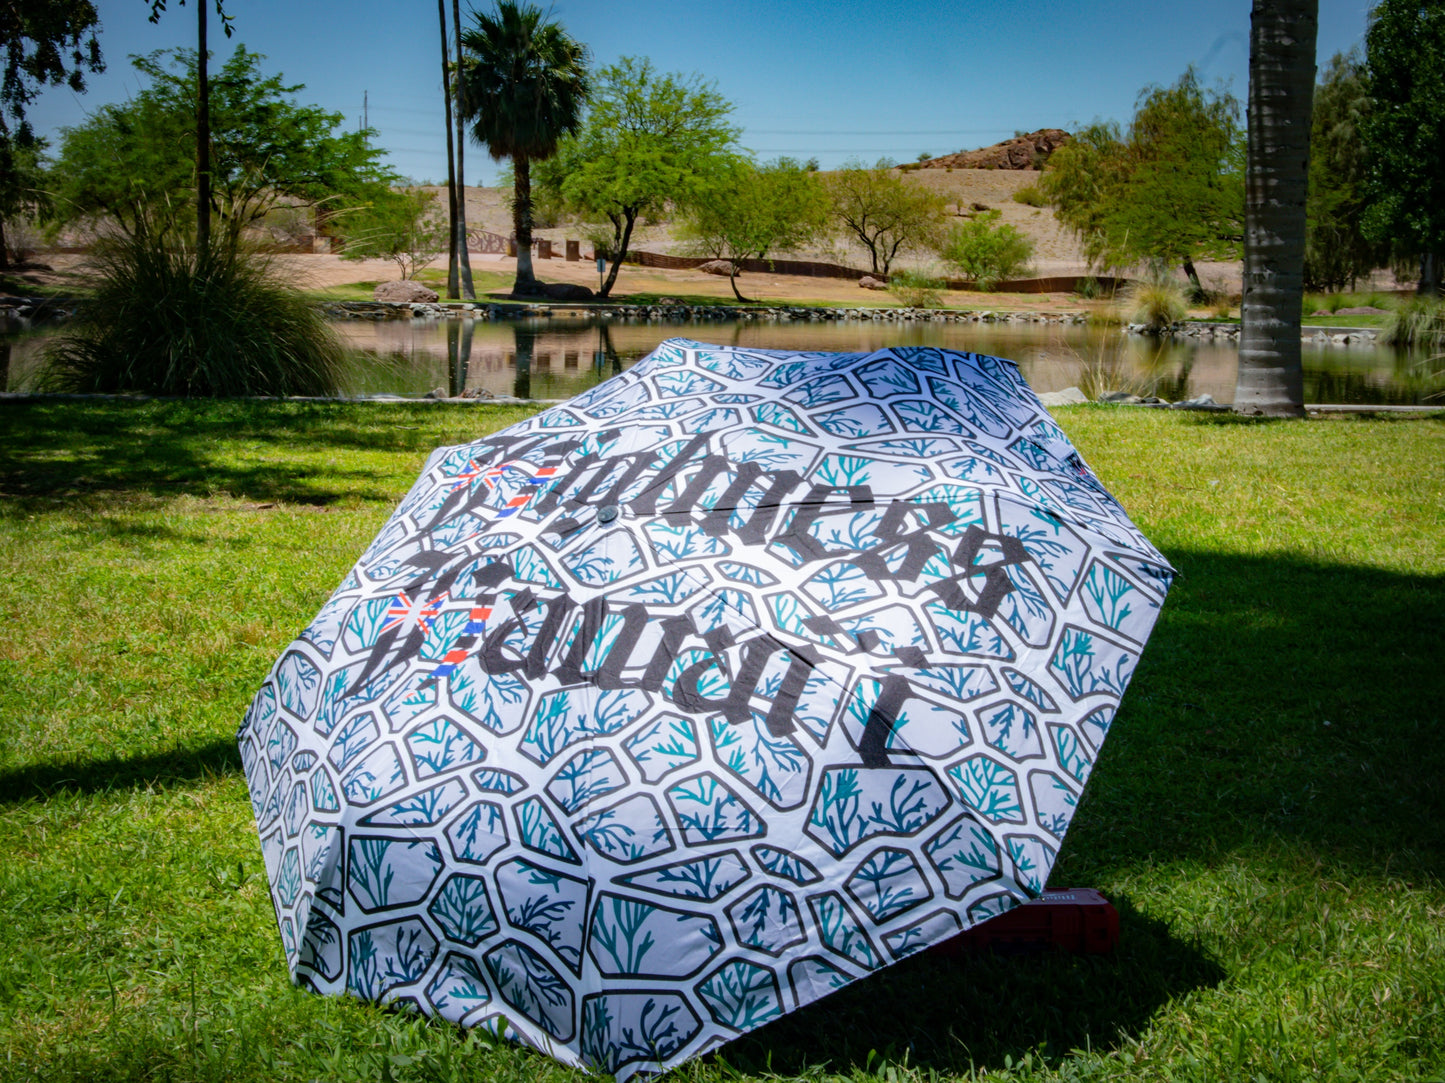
(555, 359)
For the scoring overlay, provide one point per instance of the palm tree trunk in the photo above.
(203, 135)
(451, 160)
(1281, 96)
(469, 292)
(526, 282)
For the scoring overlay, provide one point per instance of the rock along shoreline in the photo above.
(677, 312)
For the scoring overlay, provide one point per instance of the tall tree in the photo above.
(1168, 189)
(203, 113)
(1337, 250)
(464, 259)
(130, 162)
(524, 84)
(452, 268)
(884, 212)
(650, 140)
(1405, 131)
(46, 43)
(752, 210)
(1281, 93)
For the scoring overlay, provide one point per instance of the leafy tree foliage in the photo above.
(650, 140)
(748, 211)
(522, 88)
(1337, 249)
(986, 252)
(46, 43)
(883, 212)
(405, 227)
(1404, 131)
(132, 162)
(1170, 188)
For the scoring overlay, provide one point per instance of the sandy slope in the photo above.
(1056, 251)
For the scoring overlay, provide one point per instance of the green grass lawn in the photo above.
(1268, 815)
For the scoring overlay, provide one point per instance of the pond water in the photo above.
(560, 357)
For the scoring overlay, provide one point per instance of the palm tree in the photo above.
(451, 159)
(1281, 97)
(464, 259)
(522, 90)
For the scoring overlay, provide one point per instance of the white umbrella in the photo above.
(679, 705)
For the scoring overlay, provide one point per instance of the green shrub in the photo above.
(1088, 288)
(916, 289)
(165, 320)
(985, 253)
(1420, 321)
(407, 227)
(1157, 302)
(1030, 195)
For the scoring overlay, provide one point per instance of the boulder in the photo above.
(1069, 396)
(716, 267)
(404, 290)
(868, 282)
(1022, 152)
(566, 291)
(554, 291)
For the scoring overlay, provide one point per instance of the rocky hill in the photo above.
(1029, 151)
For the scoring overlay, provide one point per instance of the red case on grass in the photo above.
(1076, 919)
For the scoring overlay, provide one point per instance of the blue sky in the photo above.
(837, 79)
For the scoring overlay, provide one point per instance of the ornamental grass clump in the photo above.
(1157, 302)
(1420, 321)
(916, 289)
(164, 319)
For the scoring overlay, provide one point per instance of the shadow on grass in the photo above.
(957, 1014)
(70, 451)
(177, 767)
(1278, 698)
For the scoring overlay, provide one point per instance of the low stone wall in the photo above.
(680, 313)
(1229, 332)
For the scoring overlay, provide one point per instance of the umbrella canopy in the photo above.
(682, 704)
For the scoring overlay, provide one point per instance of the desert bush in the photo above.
(987, 253)
(1156, 301)
(1420, 321)
(167, 320)
(407, 227)
(1030, 196)
(916, 289)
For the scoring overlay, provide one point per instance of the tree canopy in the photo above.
(46, 43)
(649, 140)
(133, 162)
(1170, 188)
(1404, 131)
(747, 211)
(883, 212)
(1337, 250)
(522, 88)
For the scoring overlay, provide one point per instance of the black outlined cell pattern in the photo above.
(686, 702)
